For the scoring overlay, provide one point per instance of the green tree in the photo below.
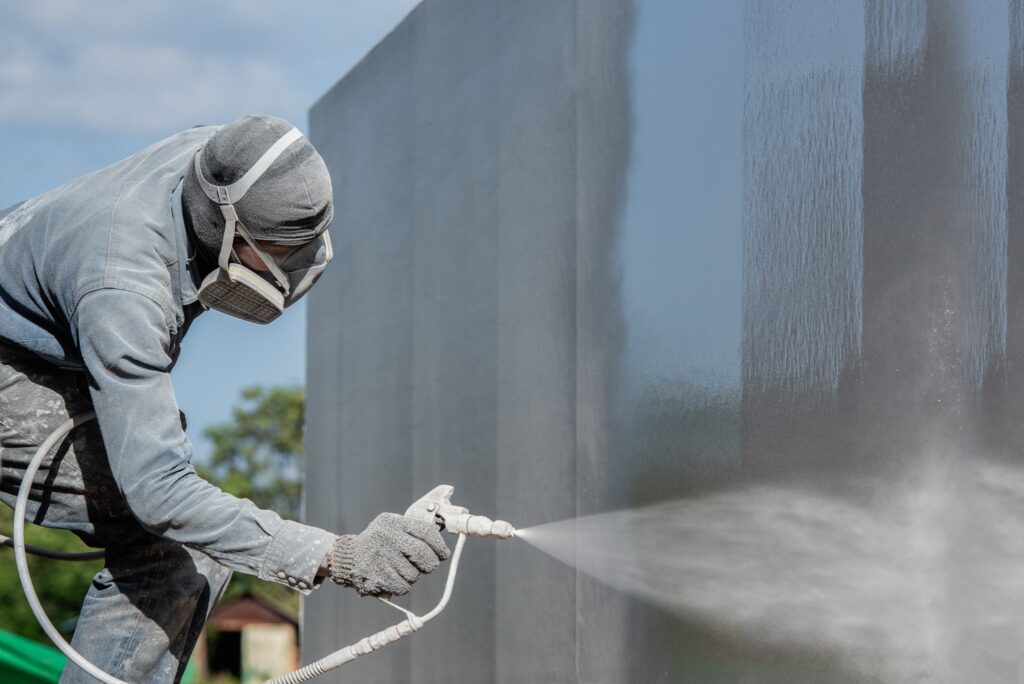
(61, 585)
(257, 455)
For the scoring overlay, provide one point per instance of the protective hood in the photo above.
(291, 203)
(236, 289)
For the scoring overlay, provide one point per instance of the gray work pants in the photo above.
(144, 611)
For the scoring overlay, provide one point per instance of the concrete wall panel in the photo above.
(536, 331)
(361, 374)
(598, 254)
(454, 372)
(603, 30)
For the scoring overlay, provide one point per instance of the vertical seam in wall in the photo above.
(576, 86)
(496, 470)
(312, 353)
(417, 29)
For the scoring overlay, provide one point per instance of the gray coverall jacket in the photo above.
(96, 285)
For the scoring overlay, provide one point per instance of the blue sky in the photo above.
(87, 83)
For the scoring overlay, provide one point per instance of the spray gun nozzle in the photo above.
(503, 530)
(478, 526)
(437, 507)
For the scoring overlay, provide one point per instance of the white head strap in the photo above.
(226, 195)
(229, 194)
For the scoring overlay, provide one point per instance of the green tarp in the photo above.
(23, 661)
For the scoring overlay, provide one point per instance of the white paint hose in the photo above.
(377, 641)
(435, 506)
(50, 553)
(21, 559)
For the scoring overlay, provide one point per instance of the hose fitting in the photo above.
(479, 526)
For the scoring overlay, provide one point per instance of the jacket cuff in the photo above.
(343, 560)
(295, 554)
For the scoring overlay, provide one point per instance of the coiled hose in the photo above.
(22, 560)
(372, 643)
(377, 641)
(50, 553)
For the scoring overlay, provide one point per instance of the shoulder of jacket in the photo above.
(142, 296)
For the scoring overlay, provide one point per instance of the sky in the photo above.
(87, 83)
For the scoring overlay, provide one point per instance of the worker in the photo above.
(99, 281)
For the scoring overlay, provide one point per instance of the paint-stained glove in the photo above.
(388, 555)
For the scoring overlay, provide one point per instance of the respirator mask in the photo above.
(242, 292)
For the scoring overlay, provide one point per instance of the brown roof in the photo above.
(248, 610)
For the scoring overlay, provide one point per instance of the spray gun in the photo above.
(436, 507)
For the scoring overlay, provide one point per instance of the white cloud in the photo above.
(136, 87)
(156, 67)
(76, 20)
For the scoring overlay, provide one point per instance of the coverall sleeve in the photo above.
(124, 340)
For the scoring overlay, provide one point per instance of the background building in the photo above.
(594, 254)
(256, 640)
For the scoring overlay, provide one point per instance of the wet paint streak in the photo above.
(896, 37)
(802, 201)
(981, 49)
(1005, 399)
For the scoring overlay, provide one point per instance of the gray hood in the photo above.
(290, 204)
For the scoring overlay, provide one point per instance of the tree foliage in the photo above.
(257, 455)
(61, 585)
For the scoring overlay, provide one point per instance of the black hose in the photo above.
(55, 555)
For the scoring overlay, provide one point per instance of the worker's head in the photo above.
(258, 199)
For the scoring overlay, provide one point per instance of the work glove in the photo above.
(387, 556)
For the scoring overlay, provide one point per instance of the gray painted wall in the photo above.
(594, 254)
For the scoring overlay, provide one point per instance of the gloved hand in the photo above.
(388, 555)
